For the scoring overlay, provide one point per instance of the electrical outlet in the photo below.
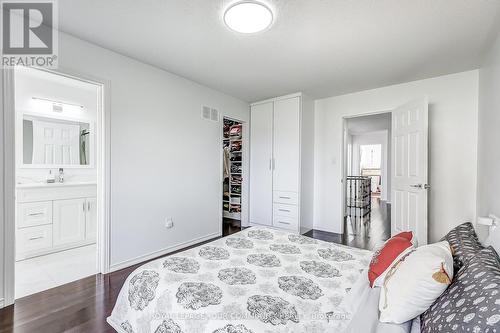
(169, 223)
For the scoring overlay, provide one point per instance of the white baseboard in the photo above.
(2, 303)
(162, 252)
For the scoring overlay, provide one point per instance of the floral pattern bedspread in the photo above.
(258, 280)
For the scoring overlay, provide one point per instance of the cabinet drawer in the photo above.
(286, 210)
(289, 198)
(289, 223)
(33, 239)
(34, 213)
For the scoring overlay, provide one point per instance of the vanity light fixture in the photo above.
(248, 17)
(57, 106)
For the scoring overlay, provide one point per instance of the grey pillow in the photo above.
(472, 302)
(464, 244)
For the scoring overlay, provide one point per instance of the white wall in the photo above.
(372, 127)
(489, 134)
(453, 106)
(372, 138)
(165, 160)
(32, 83)
(307, 164)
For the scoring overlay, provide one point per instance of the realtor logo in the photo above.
(29, 33)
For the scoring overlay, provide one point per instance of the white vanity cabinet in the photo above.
(282, 162)
(54, 217)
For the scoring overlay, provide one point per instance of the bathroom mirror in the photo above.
(52, 142)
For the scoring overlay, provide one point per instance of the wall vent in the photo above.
(208, 113)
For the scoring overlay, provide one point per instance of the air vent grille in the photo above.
(209, 113)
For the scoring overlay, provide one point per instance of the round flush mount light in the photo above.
(248, 17)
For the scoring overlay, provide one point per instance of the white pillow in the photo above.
(493, 239)
(415, 282)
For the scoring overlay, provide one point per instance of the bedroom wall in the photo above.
(372, 138)
(488, 199)
(165, 160)
(453, 111)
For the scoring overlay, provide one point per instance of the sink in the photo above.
(56, 184)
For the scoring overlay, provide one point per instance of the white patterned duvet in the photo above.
(258, 280)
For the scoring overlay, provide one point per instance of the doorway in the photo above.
(59, 181)
(367, 191)
(403, 201)
(233, 168)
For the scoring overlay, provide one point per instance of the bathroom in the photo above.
(57, 158)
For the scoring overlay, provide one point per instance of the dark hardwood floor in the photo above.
(376, 231)
(84, 305)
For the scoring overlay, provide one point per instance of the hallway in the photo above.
(374, 230)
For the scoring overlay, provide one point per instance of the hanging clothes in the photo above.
(227, 166)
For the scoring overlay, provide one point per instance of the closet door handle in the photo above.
(35, 214)
(284, 210)
(282, 197)
(36, 237)
(88, 206)
(284, 222)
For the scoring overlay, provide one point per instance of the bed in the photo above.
(257, 280)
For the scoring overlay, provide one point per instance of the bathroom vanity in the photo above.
(54, 217)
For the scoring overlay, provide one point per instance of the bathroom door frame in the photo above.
(7, 142)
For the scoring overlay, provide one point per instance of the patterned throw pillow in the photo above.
(464, 244)
(472, 302)
(383, 259)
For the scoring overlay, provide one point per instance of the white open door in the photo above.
(409, 169)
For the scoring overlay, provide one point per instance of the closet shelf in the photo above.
(232, 140)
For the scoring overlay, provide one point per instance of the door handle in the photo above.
(88, 206)
(287, 223)
(284, 210)
(38, 237)
(421, 186)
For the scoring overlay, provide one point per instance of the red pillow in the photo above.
(406, 234)
(383, 258)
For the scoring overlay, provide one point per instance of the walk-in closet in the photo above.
(232, 142)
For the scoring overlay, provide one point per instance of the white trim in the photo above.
(2, 304)
(103, 171)
(9, 186)
(343, 185)
(244, 173)
(162, 252)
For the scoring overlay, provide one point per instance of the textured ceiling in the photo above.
(320, 47)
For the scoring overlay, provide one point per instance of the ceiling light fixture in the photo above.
(248, 17)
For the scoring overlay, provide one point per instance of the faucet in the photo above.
(61, 175)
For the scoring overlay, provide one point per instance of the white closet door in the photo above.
(286, 145)
(261, 181)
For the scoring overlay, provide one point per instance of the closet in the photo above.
(232, 142)
(281, 163)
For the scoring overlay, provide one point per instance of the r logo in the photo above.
(27, 28)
